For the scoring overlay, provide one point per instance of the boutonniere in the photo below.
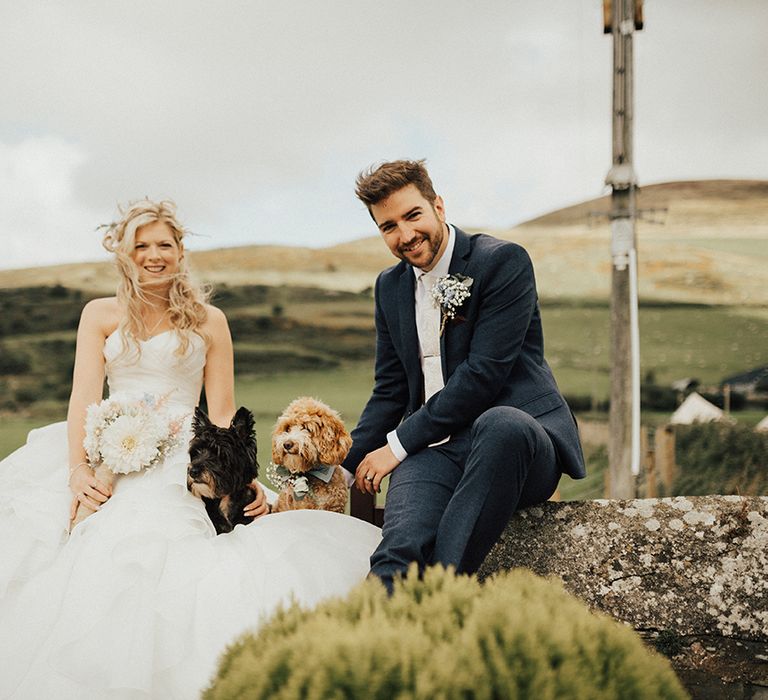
(449, 293)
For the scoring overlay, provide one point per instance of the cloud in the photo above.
(40, 217)
(701, 111)
(256, 116)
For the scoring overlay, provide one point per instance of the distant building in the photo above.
(696, 409)
(752, 384)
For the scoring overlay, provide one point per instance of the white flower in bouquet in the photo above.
(129, 443)
(97, 416)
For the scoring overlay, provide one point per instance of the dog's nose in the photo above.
(193, 471)
(288, 445)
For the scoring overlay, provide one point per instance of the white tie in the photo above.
(428, 327)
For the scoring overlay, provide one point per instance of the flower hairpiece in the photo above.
(449, 293)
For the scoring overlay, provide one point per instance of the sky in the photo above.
(256, 116)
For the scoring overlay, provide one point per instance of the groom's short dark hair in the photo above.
(380, 181)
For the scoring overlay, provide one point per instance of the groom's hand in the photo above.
(374, 467)
(258, 506)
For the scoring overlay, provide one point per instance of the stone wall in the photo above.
(689, 574)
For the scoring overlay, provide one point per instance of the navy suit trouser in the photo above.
(448, 504)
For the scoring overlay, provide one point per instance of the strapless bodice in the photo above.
(157, 369)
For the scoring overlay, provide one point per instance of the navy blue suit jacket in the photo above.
(492, 356)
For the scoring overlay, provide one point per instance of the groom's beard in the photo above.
(434, 241)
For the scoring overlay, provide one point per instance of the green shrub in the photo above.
(582, 403)
(26, 395)
(513, 636)
(13, 362)
(654, 397)
(737, 401)
(58, 391)
(717, 458)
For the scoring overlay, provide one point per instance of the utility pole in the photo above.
(621, 19)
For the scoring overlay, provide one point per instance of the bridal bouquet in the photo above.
(127, 435)
(130, 435)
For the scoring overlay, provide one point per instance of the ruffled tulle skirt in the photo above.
(142, 598)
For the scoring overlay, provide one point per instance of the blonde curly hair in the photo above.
(186, 298)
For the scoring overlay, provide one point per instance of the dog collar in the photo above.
(321, 471)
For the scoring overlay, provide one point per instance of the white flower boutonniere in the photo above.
(449, 293)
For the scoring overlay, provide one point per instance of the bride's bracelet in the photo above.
(72, 470)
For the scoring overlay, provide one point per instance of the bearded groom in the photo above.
(465, 415)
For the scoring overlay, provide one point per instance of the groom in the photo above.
(465, 415)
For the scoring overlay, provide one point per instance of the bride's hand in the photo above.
(87, 489)
(259, 505)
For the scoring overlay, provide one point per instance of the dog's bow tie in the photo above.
(321, 472)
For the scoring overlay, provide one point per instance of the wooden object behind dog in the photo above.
(363, 506)
(665, 456)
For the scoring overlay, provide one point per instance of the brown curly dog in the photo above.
(309, 441)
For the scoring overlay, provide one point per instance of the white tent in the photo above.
(696, 409)
(762, 426)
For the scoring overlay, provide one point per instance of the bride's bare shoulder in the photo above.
(102, 314)
(215, 324)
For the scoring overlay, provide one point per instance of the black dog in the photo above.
(222, 465)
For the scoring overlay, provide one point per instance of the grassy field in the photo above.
(345, 389)
(13, 432)
(290, 343)
(677, 341)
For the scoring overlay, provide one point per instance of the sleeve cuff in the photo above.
(396, 446)
(349, 478)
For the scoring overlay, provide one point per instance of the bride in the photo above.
(141, 597)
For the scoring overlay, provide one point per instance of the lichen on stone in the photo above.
(692, 565)
(695, 517)
(682, 503)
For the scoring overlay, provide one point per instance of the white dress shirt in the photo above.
(428, 329)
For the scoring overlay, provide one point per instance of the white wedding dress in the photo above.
(143, 597)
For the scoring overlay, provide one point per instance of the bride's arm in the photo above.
(219, 370)
(87, 385)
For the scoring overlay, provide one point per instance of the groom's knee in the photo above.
(506, 423)
(507, 431)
